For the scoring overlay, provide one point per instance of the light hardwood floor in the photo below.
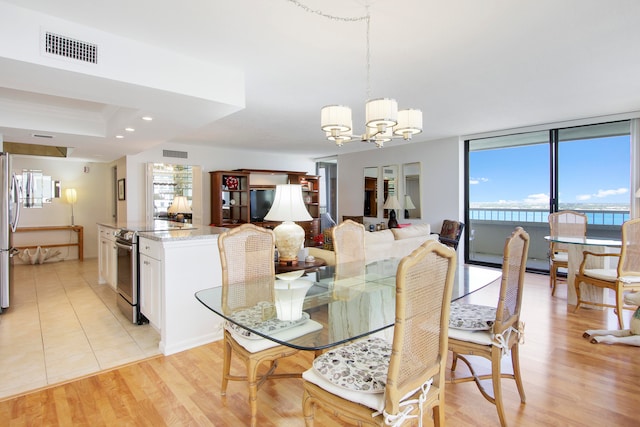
(567, 380)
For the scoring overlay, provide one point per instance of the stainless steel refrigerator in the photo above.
(9, 216)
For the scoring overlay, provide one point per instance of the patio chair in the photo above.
(566, 224)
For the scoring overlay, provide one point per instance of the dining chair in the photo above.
(247, 258)
(566, 224)
(492, 332)
(624, 277)
(374, 382)
(348, 241)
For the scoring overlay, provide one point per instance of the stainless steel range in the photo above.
(128, 265)
(128, 281)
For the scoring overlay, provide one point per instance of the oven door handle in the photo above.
(125, 247)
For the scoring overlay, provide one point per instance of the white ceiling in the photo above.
(471, 66)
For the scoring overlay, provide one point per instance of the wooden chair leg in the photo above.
(620, 307)
(496, 375)
(226, 367)
(578, 297)
(515, 363)
(252, 379)
(308, 409)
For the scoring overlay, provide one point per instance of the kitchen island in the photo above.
(174, 263)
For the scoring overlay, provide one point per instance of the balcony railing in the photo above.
(594, 217)
(489, 228)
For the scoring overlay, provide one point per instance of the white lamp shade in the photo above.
(71, 195)
(335, 119)
(391, 203)
(381, 113)
(288, 204)
(409, 123)
(408, 203)
(180, 205)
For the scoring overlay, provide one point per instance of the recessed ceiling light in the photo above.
(130, 129)
(119, 136)
(147, 118)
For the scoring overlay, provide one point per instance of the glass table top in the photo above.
(587, 241)
(347, 301)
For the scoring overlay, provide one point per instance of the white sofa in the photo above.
(390, 243)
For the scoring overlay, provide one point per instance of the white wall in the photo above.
(441, 185)
(93, 203)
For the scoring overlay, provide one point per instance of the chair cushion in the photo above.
(254, 345)
(253, 317)
(375, 401)
(471, 317)
(560, 256)
(608, 274)
(361, 366)
(630, 280)
(476, 337)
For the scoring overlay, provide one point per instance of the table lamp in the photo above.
(408, 204)
(179, 207)
(72, 197)
(392, 204)
(288, 207)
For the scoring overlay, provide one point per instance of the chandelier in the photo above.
(383, 121)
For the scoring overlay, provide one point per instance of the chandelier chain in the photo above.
(366, 18)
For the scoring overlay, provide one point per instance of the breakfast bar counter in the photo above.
(175, 260)
(174, 264)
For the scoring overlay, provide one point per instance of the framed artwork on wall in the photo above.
(121, 191)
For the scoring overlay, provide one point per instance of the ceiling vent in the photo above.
(173, 153)
(67, 47)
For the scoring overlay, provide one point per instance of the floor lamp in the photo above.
(72, 197)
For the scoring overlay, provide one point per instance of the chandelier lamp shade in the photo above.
(383, 122)
(288, 206)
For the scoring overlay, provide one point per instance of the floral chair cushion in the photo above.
(361, 366)
(471, 317)
(254, 317)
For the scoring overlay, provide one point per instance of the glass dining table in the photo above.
(349, 301)
(576, 246)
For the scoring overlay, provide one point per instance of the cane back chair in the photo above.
(499, 332)
(382, 384)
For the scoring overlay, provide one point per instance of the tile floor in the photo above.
(62, 325)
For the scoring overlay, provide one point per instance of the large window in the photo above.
(517, 180)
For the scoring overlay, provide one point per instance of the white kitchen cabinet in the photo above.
(151, 284)
(107, 257)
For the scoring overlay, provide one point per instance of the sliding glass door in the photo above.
(517, 180)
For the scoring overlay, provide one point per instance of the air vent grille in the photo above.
(173, 153)
(67, 47)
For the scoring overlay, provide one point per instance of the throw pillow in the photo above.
(328, 241)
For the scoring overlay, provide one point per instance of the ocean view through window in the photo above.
(519, 179)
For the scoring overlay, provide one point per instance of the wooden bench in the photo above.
(77, 228)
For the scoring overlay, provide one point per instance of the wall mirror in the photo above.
(411, 200)
(390, 182)
(371, 192)
(37, 188)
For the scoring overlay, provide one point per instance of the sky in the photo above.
(595, 171)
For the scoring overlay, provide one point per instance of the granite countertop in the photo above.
(200, 232)
(166, 230)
